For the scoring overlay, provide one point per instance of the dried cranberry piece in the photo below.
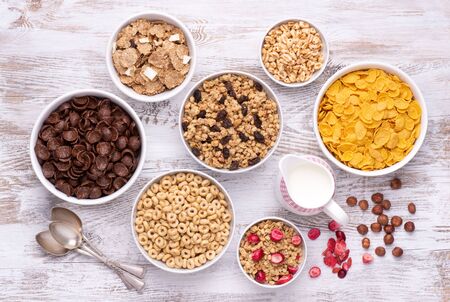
(331, 244)
(284, 279)
(257, 254)
(253, 238)
(276, 235)
(314, 272)
(342, 273)
(276, 258)
(340, 235)
(333, 226)
(313, 233)
(260, 276)
(296, 240)
(292, 269)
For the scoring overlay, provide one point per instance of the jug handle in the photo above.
(333, 210)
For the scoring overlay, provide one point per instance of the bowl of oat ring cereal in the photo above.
(294, 52)
(272, 252)
(151, 56)
(183, 221)
(231, 122)
(88, 147)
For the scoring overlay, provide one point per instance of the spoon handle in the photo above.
(136, 270)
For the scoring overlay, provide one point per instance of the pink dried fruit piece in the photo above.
(260, 277)
(336, 269)
(296, 240)
(313, 233)
(276, 235)
(314, 272)
(292, 269)
(342, 273)
(284, 279)
(367, 258)
(345, 266)
(327, 253)
(333, 226)
(253, 238)
(257, 254)
(330, 261)
(340, 235)
(331, 244)
(344, 256)
(276, 258)
(340, 248)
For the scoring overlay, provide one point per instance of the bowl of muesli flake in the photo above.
(272, 252)
(151, 56)
(230, 122)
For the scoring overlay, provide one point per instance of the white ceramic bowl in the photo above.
(153, 16)
(325, 53)
(270, 94)
(303, 246)
(161, 264)
(53, 106)
(417, 95)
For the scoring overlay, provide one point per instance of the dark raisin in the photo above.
(243, 137)
(227, 123)
(254, 161)
(259, 137)
(196, 151)
(226, 152)
(221, 115)
(184, 125)
(207, 140)
(256, 120)
(242, 98)
(258, 86)
(197, 96)
(222, 99)
(234, 165)
(224, 140)
(133, 45)
(230, 89)
(244, 109)
(214, 128)
(201, 114)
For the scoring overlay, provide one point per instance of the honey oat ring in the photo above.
(416, 93)
(270, 94)
(152, 16)
(39, 154)
(161, 264)
(316, 74)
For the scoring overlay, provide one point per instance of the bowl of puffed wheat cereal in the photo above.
(294, 53)
(272, 252)
(183, 221)
(151, 56)
(230, 122)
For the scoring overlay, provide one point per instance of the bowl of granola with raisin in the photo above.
(230, 122)
(151, 56)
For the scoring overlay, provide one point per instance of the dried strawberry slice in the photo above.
(336, 269)
(252, 238)
(340, 235)
(330, 261)
(296, 240)
(331, 244)
(276, 235)
(327, 253)
(349, 262)
(345, 266)
(344, 256)
(260, 277)
(340, 248)
(292, 269)
(313, 233)
(276, 258)
(314, 272)
(333, 226)
(284, 279)
(257, 254)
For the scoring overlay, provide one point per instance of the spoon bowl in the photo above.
(66, 235)
(50, 245)
(66, 215)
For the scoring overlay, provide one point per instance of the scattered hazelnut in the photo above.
(352, 201)
(377, 209)
(397, 252)
(386, 204)
(383, 219)
(389, 229)
(388, 239)
(412, 208)
(396, 184)
(377, 197)
(375, 227)
(362, 229)
(365, 242)
(396, 221)
(409, 226)
(380, 251)
(363, 204)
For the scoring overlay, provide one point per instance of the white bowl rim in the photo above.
(268, 91)
(305, 251)
(156, 16)
(417, 95)
(316, 74)
(53, 106)
(160, 264)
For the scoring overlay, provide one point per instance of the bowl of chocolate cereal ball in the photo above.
(293, 52)
(151, 56)
(230, 122)
(88, 147)
(182, 221)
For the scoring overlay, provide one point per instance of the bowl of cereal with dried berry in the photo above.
(271, 252)
(183, 221)
(294, 53)
(230, 122)
(370, 119)
(151, 56)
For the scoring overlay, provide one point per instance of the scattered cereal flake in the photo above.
(150, 73)
(129, 57)
(172, 79)
(174, 38)
(144, 40)
(186, 59)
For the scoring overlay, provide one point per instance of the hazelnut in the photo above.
(396, 221)
(396, 184)
(409, 226)
(365, 242)
(386, 204)
(383, 219)
(352, 201)
(397, 252)
(377, 210)
(377, 197)
(380, 251)
(388, 239)
(389, 229)
(363, 204)
(412, 208)
(375, 227)
(362, 229)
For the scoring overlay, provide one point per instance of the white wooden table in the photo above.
(51, 47)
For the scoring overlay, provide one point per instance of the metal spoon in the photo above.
(66, 215)
(69, 238)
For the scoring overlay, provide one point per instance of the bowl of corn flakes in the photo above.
(370, 118)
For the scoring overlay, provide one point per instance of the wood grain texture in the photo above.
(51, 47)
